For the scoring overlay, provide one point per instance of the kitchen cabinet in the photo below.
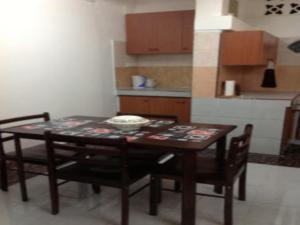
(188, 31)
(248, 48)
(180, 107)
(160, 33)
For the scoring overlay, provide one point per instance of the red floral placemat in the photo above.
(186, 133)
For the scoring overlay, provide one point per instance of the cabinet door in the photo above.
(171, 106)
(169, 32)
(141, 37)
(134, 104)
(187, 31)
(243, 48)
(160, 33)
(183, 108)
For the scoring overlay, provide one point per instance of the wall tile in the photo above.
(206, 49)
(268, 128)
(266, 116)
(264, 109)
(204, 81)
(265, 146)
(207, 40)
(176, 60)
(123, 76)
(166, 77)
(250, 78)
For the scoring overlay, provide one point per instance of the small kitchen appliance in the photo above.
(150, 83)
(139, 81)
(229, 88)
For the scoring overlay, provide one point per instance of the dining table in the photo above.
(185, 139)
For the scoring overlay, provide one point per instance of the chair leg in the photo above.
(53, 194)
(242, 186)
(159, 187)
(155, 190)
(96, 188)
(3, 175)
(228, 205)
(125, 206)
(21, 173)
(177, 186)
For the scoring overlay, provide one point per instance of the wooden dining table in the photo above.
(185, 139)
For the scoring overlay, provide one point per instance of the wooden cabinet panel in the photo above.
(169, 32)
(134, 104)
(140, 33)
(180, 107)
(171, 106)
(248, 48)
(160, 33)
(188, 31)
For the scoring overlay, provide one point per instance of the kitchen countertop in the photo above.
(161, 92)
(265, 95)
(268, 95)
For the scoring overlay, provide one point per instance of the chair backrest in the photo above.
(45, 116)
(151, 116)
(238, 152)
(85, 151)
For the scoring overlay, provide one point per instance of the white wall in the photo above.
(284, 26)
(55, 55)
(139, 6)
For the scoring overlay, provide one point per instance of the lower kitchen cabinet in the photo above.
(181, 107)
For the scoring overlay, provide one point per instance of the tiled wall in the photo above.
(266, 116)
(206, 58)
(169, 71)
(166, 77)
(250, 78)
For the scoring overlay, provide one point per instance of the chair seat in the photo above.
(208, 170)
(36, 154)
(99, 175)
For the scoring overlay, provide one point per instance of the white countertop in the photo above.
(268, 95)
(162, 92)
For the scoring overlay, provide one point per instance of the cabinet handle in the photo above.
(181, 102)
(185, 48)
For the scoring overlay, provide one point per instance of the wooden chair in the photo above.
(209, 172)
(151, 155)
(36, 155)
(97, 161)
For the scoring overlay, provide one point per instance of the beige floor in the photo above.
(273, 199)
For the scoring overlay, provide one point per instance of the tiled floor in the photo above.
(273, 198)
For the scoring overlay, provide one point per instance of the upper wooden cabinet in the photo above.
(248, 48)
(188, 31)
(160, 33)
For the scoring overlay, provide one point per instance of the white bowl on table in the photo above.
(127, 122)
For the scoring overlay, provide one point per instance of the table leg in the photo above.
(188, 210)
(21, 173)
(220, 157)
